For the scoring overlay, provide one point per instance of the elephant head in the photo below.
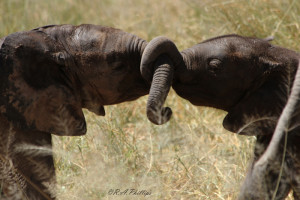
(251, 79)
(47, 75)
(247, 77)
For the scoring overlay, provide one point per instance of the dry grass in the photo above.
(192, 156)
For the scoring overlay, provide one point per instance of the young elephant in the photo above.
(251, 80)
(47, 75)
(259, 179)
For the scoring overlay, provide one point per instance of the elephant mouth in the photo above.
(131, 97)
(233, 121)
(198, 97)
(185, 91)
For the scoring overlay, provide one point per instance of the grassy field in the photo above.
(190, 157)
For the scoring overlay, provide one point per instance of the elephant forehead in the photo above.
(205, 51)
(98, 39)
(234, 43)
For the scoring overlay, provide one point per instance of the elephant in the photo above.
(48, 74)
(259, 177)
(251, 80)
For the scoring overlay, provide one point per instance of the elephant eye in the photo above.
(214, 62)
(214, 65)
(119, 66)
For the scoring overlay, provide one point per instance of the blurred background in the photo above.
(190, 157)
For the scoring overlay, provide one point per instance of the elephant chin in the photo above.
(229, 124)
(237, 122)
(247, 125)
(239, 125)
(98, 110)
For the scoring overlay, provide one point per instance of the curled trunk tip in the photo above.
(159, 59)
(159, 117)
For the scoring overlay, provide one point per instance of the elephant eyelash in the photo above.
(118, 66)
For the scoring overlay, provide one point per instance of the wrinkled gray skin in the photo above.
(47, 75)
(251, 80)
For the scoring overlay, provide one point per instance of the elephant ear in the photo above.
(36, 93)
(263, 102)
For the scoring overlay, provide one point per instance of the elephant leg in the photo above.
(272, 173)
(296, 183)
(262, 187)
(26, 164)
(296, 196)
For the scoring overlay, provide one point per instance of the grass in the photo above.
(192, 156)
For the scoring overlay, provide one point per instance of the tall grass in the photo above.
(192, 156)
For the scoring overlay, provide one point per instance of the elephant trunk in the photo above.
(159, 60)
(161, 83)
